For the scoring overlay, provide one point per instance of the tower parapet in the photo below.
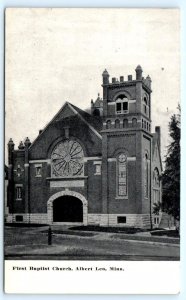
(21, 146)
(146, 82)
(10, 150)
(105, 77)
(139, 72)
(27, 142)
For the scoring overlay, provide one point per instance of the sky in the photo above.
(58, 55)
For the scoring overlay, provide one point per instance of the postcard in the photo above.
(92, 151)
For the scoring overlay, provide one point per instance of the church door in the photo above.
(67, 209)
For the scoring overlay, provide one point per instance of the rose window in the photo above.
(67, 159)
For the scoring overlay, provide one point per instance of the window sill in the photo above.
(122, 113)
(38, 176)
(121, 198)
(67, 178)
(19, 199)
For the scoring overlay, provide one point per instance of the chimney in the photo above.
(158, 131)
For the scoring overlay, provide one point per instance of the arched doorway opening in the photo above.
(71, 205)
(67, 209)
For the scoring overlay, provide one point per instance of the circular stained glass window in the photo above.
(67, 159)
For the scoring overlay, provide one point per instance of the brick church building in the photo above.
(99, 168)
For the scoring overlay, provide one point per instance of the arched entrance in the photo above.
(67, 209)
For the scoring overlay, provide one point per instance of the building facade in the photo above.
(101, 168)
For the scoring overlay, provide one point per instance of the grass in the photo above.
(129, 230)
(168, 233)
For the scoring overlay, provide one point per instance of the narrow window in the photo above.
(38, 171)
(145, 109)
(125, 106)
(125, 123)
(117, 124)
(156, 186)
(108, 124)
(18, 192)
(122, 175)
(97, 168)
(145, 105)
(118, 108)
(146, 177)
(134, 122)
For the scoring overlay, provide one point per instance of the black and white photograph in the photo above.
(92, 135)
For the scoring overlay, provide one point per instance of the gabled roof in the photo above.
(94, 122)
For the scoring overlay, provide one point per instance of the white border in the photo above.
(107, 3)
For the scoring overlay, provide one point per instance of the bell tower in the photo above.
(126, 149)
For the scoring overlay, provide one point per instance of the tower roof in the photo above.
(138, 68)
(105, 73)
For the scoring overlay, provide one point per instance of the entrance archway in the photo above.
(67, 209)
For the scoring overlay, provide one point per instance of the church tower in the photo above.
(126, 150)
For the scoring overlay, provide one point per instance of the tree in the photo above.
(171, 176)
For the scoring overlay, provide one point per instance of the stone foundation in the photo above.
(27, 218)
(132, 220)
(112, 220)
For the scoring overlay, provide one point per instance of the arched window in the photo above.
(134, 122)
(121, 104)
(146, 176)
(96, 112)
(145, 105)
(156, 186)
(144, 124)
(125, 123)
(121, 174)
(108, 124)
(117, 123)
